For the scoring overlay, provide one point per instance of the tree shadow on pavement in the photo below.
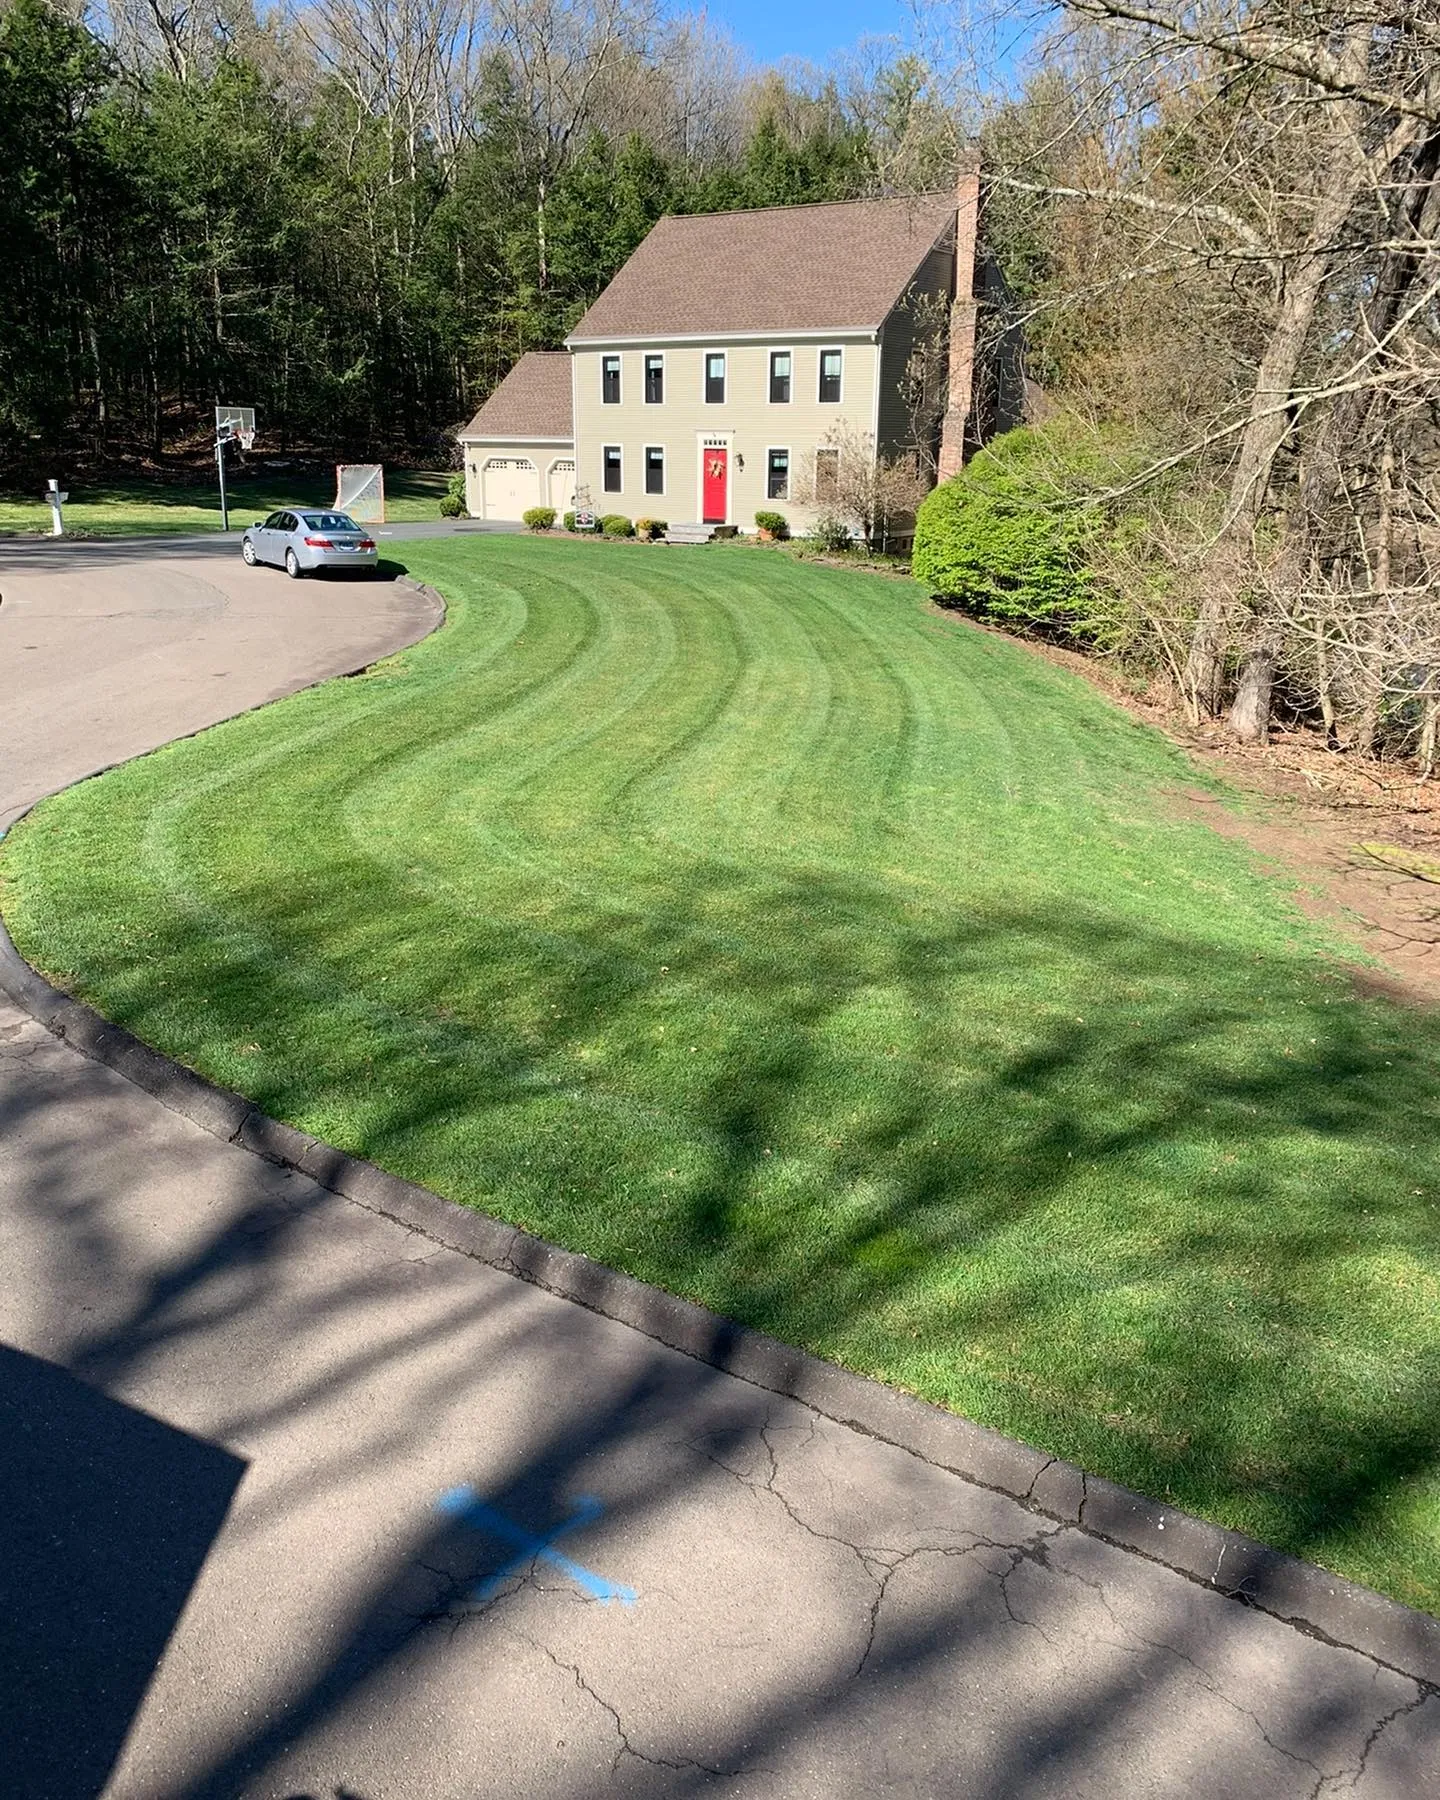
(106, 1517)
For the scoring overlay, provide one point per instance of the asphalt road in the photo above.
(299, 1505)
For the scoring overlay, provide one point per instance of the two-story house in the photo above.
(729, 359)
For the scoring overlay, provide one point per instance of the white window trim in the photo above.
(619, 450)
(789, 472)
(770, 355)
(664, 472)
(645, 399)
(821, 352)
(705, 356)
(715, 440)
(619, 361)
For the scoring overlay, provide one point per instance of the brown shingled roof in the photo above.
(781, 268)
(533, 401)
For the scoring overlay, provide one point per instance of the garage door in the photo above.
(562, 486)
(512, 487)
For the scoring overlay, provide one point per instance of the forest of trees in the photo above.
(357, 214)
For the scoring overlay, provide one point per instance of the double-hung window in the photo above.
(611, 455)
(714, 377)
(610, 380)
(777, 475)
(654, 380)
(780, 371)
(654, 469)
(831, 362)
(827, 474)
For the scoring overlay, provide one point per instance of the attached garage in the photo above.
(520, 448)
(509, 487)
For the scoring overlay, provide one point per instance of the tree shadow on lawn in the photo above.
(1101, 1187)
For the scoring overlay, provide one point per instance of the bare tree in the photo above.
(875, 497)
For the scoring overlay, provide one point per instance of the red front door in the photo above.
(716, 474)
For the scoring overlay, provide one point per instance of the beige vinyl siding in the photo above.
(897, 341)
(746, 418)
(542, 455)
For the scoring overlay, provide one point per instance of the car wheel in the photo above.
(292, 565)
(247, 550)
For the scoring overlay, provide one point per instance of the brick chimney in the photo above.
(963, 314)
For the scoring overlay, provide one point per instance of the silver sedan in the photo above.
(302, 542)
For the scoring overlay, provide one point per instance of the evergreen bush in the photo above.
(538, 518)
(1012, 536)
(616, 525)
(452, 501)
(775, 523)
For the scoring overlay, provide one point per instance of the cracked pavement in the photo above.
(292, 1382)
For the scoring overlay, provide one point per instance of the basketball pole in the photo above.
(220, 465)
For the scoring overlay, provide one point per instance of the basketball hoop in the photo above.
(233, 425)
(236, 422)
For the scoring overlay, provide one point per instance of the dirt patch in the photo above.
(1312, 811)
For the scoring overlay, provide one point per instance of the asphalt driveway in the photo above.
(299, 1502)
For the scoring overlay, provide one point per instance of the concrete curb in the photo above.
(1298, 1593)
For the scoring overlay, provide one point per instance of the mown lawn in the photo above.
(746, 925)
(130, 506)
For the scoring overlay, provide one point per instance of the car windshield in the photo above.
(330, 522)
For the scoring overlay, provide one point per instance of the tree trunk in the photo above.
(1250, 715)
(1309, 545)
(1265, 430)
(1428, 732)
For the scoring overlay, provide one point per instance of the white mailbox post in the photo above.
(57, 496)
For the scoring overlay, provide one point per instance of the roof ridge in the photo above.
(794, 206)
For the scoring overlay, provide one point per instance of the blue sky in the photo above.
(813, 29)
(817, 30)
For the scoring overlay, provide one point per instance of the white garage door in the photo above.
(512, 486)
(562, 486)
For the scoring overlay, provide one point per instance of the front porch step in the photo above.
(694, 533)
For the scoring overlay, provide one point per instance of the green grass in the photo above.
(747, 926)
(129, 506)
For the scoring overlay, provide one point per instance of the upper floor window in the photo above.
(779, 378)
(611, 455)
(715, 377)
(830, 367)
(827, 474)
(654, 380)
(610, 380)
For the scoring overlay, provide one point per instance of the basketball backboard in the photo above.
(235, 422)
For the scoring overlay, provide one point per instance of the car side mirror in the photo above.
(257, 525)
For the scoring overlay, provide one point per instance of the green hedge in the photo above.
(538, 518)
(1012, 536)
(616, 525)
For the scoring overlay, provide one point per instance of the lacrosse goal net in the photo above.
(360, 491)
